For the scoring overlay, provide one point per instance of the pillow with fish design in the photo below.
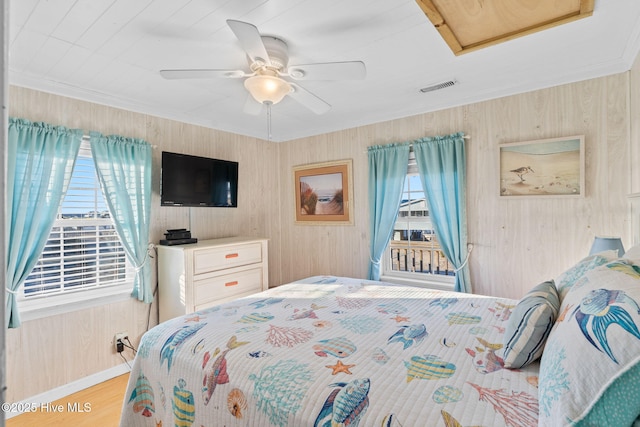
(565, 281)
(590, 367)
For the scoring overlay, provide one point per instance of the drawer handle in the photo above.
(235, 282)
(235, 255)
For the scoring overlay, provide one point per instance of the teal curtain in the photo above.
(39, 166)
(387, 172)
(124, 171)
(442, 168)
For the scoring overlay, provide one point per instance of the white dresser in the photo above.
(200, 275)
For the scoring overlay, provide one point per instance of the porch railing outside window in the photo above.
(419, 256)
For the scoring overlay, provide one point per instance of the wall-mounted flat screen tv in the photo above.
(198, 181)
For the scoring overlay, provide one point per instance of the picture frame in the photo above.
(551, 167)
(324, 193)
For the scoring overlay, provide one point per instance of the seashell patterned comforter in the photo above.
(333, 351)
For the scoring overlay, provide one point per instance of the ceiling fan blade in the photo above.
(251, 106)
(350, 70)
(202, 74)
(250, 40)
(308, 99)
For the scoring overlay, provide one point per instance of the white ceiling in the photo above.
(110, 52)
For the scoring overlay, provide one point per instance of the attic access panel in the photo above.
(468, 25)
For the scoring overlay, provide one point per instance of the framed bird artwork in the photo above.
(543, 168)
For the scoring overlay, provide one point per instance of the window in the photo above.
(83, 257)
(414, 253)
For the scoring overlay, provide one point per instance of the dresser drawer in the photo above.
(214, 288)
(214, 259)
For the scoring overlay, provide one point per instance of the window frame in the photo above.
(426, 280)
(49, 304)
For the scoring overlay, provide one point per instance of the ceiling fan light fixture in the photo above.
(267, 89)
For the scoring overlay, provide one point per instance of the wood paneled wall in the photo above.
(518, 242)
(634, 125)
(47, 353)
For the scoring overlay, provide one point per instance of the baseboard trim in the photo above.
(67, 389)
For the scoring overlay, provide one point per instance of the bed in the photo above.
(337, 351)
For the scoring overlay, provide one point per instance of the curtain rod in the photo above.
(411, 144)
(85, 137)
(463, 137)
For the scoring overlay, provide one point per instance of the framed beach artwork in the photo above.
(323, 193)
(543, 168)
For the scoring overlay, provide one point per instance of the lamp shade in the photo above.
(267, 89)
(601, 244)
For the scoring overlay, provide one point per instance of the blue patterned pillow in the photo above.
(593, 352)
(566, 280)
(530, 325)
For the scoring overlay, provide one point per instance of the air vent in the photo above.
(438, 86)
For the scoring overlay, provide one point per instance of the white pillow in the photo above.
(633, 253)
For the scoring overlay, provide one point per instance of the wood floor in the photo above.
(101, 404)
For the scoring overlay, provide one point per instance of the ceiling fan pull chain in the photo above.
(268, 121)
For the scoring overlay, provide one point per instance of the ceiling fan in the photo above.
(268, 59)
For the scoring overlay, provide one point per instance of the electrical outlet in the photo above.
(118, 341)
